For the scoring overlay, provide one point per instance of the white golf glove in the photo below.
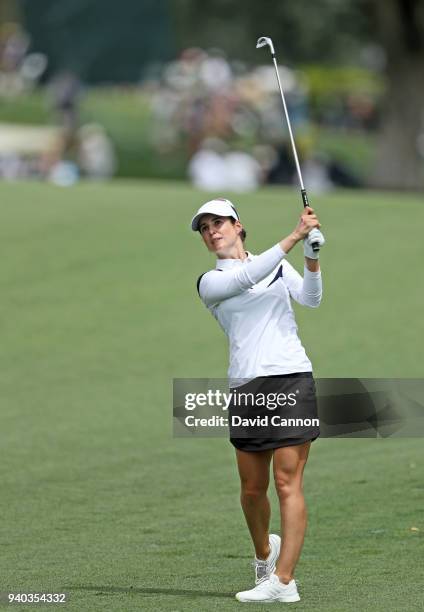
(314, 236)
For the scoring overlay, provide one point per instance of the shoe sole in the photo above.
(289, 599)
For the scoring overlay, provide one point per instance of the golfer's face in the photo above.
(218, 233)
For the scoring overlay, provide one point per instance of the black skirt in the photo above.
(274, 411)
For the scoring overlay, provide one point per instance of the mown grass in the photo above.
(99, 312)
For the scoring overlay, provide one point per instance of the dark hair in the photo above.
(243, 231)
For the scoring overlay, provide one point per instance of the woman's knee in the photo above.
(288, 467)
(253, 490)
(254, 474)
(287, 484)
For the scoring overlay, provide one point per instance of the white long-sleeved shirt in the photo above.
(250, 299)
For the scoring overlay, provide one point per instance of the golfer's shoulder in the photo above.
(207, 277)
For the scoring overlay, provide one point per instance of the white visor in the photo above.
(220, 207)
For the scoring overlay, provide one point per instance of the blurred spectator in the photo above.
(64, 174)
(342, 176)
(215, 72)
(12, 168)
(315, 174)
(243, 171)
(183, 73)
(65, 89)
(283, 169)
(32, 68)
(212, 169)
(14, 44)
(207, 170)
(96, 154)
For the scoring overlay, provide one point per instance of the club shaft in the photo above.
(261, 42)
(296, 159)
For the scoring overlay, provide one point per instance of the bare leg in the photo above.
(254, 477)
(289, 463)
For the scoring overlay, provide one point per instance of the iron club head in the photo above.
(263, 41)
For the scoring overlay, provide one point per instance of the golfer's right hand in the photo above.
(308, 221)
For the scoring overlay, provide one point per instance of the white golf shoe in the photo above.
(265, 567)
(271, 590)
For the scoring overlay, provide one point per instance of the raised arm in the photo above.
(215, 286)
(307, 290)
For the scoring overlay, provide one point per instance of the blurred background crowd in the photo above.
(169, 89)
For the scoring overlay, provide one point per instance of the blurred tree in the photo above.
(9, 11)
(400, 28)
(100, 40)
(303, 31)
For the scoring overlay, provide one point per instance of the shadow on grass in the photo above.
(100, 590)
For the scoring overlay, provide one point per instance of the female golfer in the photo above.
(250, 296)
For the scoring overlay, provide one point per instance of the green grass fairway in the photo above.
(99, 312)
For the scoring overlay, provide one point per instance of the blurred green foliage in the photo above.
(356, 149)
(329, 84)
(347, 79)
(28, 109)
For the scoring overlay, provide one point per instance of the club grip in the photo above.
(315, 245)
(304, 197)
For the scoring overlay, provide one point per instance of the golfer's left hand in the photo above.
(314, 236)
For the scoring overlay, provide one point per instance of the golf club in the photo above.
(266, 41)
